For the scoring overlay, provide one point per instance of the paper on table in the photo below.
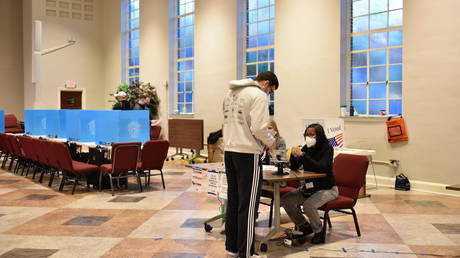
(269, 168)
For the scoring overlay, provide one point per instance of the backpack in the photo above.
(402, 183)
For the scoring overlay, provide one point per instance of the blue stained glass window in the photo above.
(359, 75)
(272, 11)
(395, 107)
(376, 105)
(360, 7)
(395, 18)
(378, 6)
(395, 90)
(396, 38)
(252, 16)
(360, 24)
(263, 3)
(180, 87)
(359, 59)
(263, 27)
(377, 90)
(359, 42)
(378, 21)
(395, 4)
(180, 97)
(378, 57)
(378, 40)
(272, 39)
(395, 55)
(189, 108)
(188, 86)
(378, 73)
(263, 14)
(252, 42)
(189, 65)
(272, 55)
(189, 52)
(262, 55)
(395, 73)
(262, 40)
(180, 77)
(272, 67)
(251, 57)
(189, 42)
(189, 76)
(188, 97)
(251, 70)
(252, 4)
(181, 53)
(252, 29)
(358, 91)
(360, 106)
(262, 67)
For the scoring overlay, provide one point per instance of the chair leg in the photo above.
(111, 184)
(50, 183)
(326, 218)
(139, 182)
(100, 180)
(62, 183)
(356, 222)
(75, 184)
(162, 179)
(11, 163)
(271, 214)
(329, 221)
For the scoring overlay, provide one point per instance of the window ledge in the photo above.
(364, 118)
(181, 115)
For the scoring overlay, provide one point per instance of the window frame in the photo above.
(346, 59)
(126, 50)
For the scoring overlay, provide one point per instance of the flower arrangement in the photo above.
(135, 90)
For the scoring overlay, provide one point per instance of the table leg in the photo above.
(277, 227)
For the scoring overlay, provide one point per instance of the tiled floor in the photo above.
(38, 221)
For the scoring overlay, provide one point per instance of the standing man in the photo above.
(246, 135)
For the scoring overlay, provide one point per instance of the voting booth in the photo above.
(2, 121)
(102, 127)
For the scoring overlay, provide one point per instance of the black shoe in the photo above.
(306, 230)
(318, 238)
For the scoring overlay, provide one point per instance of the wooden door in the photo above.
(70, 99)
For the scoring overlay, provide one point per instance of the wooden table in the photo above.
(275, 180)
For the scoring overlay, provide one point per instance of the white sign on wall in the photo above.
(333, 127)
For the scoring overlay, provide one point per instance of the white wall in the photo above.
(11, 68)
(81, 62)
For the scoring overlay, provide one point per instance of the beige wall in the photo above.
(154, 50)
(111, 50)
(215, 58)
(11, 68)
(81, 62)
(307, 63)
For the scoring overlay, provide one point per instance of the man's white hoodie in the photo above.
(246, 118)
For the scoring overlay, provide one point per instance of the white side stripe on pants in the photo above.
(252, 201)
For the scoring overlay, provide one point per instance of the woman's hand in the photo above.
(296, 151)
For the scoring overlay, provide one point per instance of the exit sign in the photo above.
(70, 85)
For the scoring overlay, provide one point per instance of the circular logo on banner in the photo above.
(92, 127)
(43, 122)
(134, 129)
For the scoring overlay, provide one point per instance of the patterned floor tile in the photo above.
(29, 253)
(448, 228)
(14, 216)
(434, 250)
(121, 224)
(38, 198)
(154, 200)
(87, 221)
(67, 246)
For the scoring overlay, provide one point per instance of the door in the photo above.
(70, 99)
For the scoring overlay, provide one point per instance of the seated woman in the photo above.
(315, 156)
(280, 146)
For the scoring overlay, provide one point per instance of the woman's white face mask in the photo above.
(310, 141)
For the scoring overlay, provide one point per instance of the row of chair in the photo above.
(54, 157)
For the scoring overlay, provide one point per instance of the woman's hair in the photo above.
(275, 128)
(320, 135)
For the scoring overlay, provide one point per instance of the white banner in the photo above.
(333, 127)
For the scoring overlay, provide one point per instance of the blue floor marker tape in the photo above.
(372, 250)
(306, 249)
(158, 238)
(396, 252)
(344, 250)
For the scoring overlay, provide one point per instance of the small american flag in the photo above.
(336, 141)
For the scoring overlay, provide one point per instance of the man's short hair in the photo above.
(270, 76)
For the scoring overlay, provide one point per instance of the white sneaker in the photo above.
(231, 255)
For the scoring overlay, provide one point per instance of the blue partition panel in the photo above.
(73, 124)
(88, 126)
(134, 126)
(39, 122)
(107, 126)
(28, 121)
(62, 124)
(2, 121)
(52, 122)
